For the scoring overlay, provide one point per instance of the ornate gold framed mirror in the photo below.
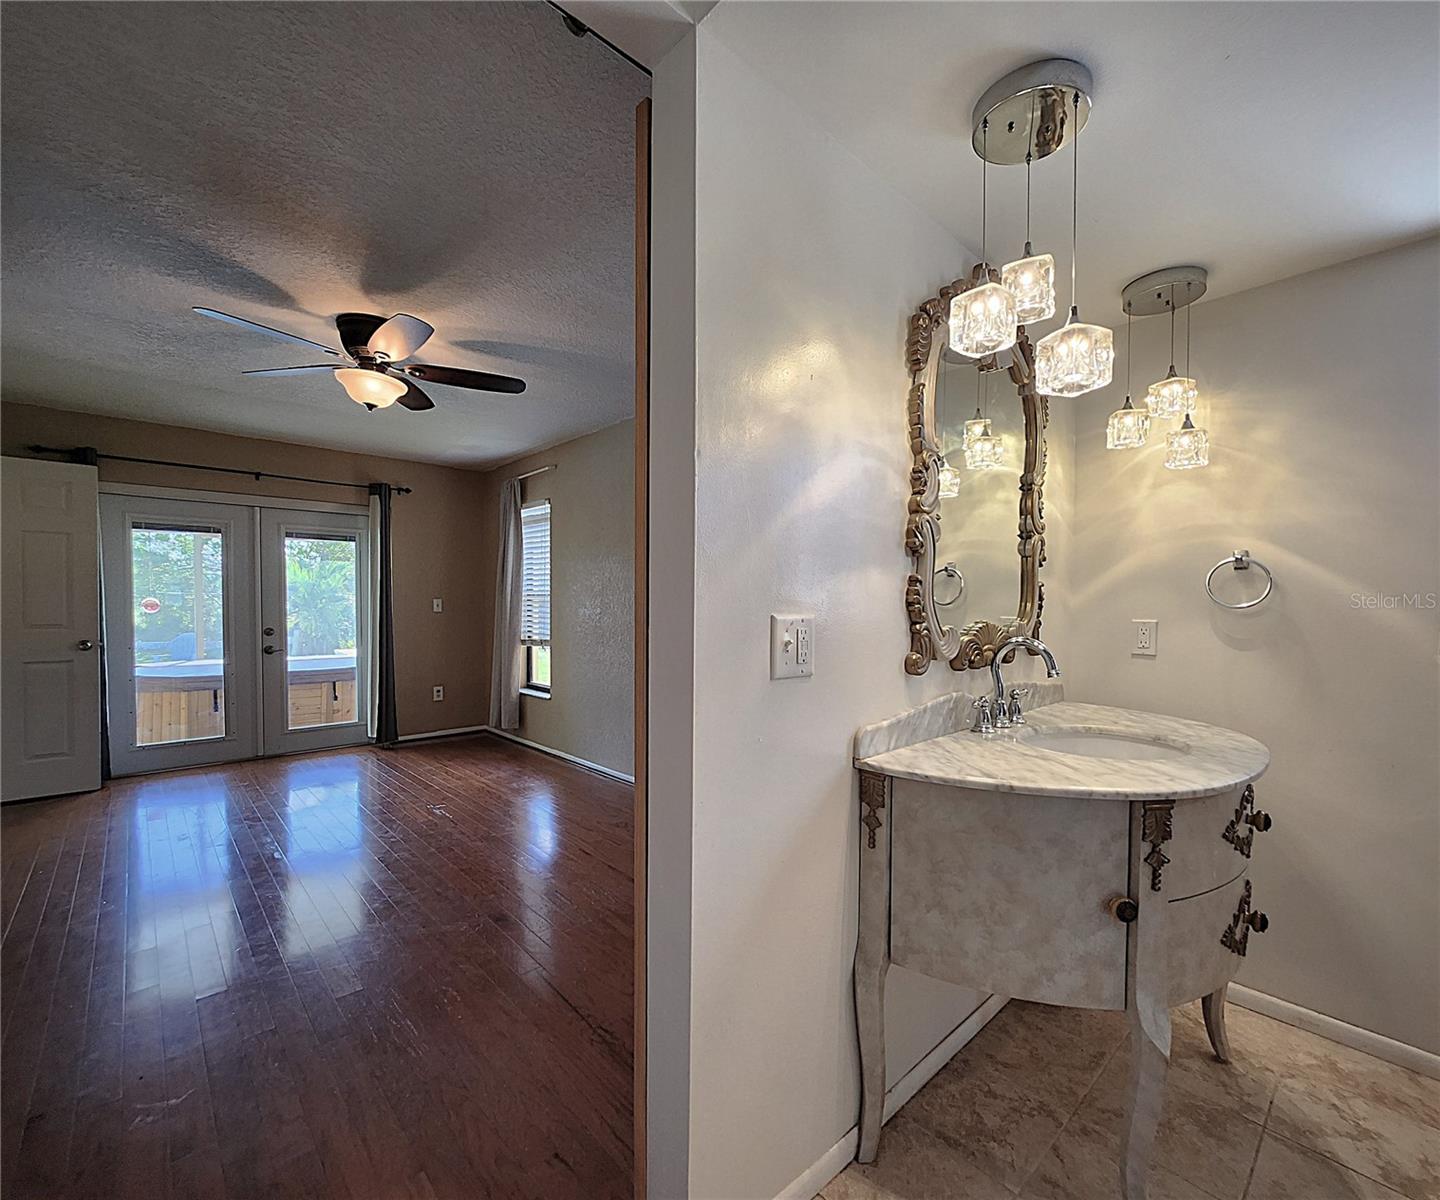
(978, 479)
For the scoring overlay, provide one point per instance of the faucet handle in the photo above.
(1017, 714)
(984, 718)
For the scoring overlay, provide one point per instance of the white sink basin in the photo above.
(1088, 744)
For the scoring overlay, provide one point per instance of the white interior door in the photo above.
(50, 711)
(180, 600)
(315, 629)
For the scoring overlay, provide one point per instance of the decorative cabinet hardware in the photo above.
(1236, 937)
(1157, 826)
(873, 790)
(1246, 814)
(1122, 908)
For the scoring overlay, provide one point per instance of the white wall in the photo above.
(1321, 400)
(590, 712)
(806, 266)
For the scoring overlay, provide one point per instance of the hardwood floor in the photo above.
(365, 973)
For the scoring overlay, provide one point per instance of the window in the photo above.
(535, 594)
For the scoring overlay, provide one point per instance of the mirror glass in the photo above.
(979, 523)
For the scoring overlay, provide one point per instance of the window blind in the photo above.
(535, 574)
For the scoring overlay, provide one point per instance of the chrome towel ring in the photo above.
(1241, 561)
(953, 572)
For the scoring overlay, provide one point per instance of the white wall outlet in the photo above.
(437, 692)
(437, 605)
(1146, 633)
(792, 646)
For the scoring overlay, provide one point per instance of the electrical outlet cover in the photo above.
(792, 646)
(1146, 635)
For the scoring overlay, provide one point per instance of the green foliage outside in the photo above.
(319, 595)
(164, 565)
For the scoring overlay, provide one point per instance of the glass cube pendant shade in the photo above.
(983, 451)
(983, 321)
(1031, 281)
(1075, 359)
(949, 481)
(1172, 396)
(976, 428)
(1128, 427)
(1187, 447)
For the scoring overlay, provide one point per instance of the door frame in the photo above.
(241, 738)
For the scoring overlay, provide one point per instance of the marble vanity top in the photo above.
(1175, 759)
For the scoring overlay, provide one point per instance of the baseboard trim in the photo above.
(1375, 1044)
(442, 733)
(571, 758)
(810, 1182)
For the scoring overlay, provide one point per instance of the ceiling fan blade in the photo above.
(456, 377)
(291, 370)
(255, 325)
(399, 337)
(414, 399)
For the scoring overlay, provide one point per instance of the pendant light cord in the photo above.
(1074, 208)
(984, 182)
(1172, 329)
(1030, 141)
(1129, 350)
(1187, 331)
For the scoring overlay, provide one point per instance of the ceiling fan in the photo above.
(372, 369)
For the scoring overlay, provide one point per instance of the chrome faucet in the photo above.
(1009, 713)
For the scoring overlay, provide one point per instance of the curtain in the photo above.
(381, 717)
(505, 671)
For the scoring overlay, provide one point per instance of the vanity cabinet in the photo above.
(1102, 883)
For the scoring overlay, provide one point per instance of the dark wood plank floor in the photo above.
(392, 973)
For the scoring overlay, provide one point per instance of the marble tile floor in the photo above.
(1031, 1108)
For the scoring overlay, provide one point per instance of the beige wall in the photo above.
(437, 543)
(1321, 400)
(591, 709)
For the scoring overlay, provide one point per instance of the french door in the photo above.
(232, 630)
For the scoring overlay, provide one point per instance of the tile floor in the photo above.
(1032, 1108)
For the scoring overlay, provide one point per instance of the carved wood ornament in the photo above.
(972, 646)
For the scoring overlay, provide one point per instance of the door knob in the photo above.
(84, 644)
(1123, 909)
(272, 649)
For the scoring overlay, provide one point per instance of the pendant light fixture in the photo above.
(983, 450)
(1175, 393)
(983, 319)
(1187, 447)
(1128, 427)
(949, 474)
(1031, 277)
(1078, 357)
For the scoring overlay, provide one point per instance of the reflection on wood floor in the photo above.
(366, 973)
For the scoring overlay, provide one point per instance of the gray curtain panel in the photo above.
(506, 671)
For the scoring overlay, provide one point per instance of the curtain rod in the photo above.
(78, 451)
(537, 471)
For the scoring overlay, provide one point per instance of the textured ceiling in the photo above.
(1257, 140)
(468, 163)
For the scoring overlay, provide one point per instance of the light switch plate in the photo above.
(437, 605)
(792, 646)
(1147, 633)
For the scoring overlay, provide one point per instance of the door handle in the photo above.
(84, 644)
(272, 649)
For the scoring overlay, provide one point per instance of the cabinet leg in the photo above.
(872, 956)
(1149, 1064)
(1147, 994)
(1213, 1006)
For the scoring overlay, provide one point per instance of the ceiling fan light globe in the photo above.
(373, 388)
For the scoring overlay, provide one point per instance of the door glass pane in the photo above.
(178, 600)
(320, 583)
